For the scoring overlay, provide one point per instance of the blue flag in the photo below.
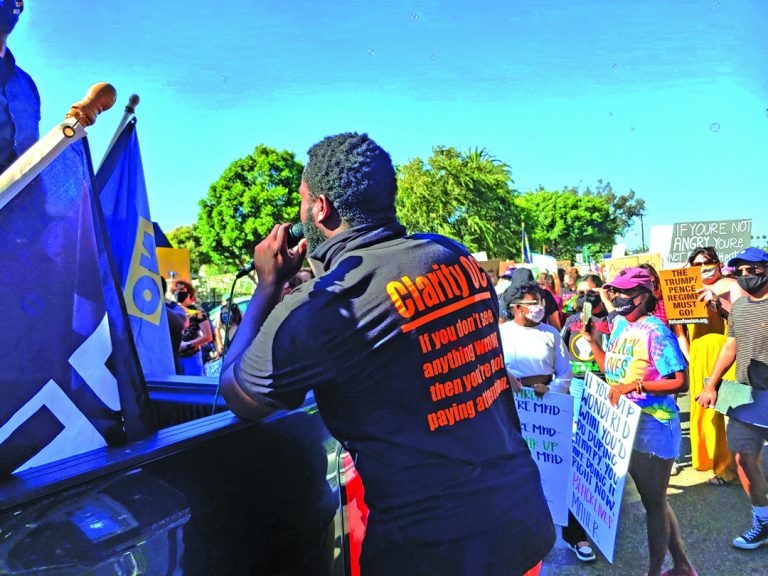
(70, 379)
(123, 199)
(526, 249)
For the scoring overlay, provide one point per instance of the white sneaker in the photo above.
(584, 553)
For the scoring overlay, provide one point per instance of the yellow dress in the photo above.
(709, 450)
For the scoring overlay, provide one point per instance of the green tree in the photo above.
(463, 195)
(187, 237)
(252, 195)
(624, 207)
(564, 221)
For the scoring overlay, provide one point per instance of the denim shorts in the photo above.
(662, 439)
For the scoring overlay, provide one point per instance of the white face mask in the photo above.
(535, 313)
(708, 272)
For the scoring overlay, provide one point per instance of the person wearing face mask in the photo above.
(551, 309)
(747, 346)
(198, 332)
(19, 98)
(580, 352)
(643, 361)
(701, 343)
(223, 335)
(533, 350)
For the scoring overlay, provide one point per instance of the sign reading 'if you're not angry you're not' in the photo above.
(727, 237)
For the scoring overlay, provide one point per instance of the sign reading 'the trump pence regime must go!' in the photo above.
(678, 287)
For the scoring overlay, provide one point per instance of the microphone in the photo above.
(295, 233)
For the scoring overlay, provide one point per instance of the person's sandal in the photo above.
(717, 481)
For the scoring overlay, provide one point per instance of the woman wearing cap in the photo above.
(701, 344)
(643, 361)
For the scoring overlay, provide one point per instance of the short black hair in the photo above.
(514, 293)
(708, 251)
(356, 175)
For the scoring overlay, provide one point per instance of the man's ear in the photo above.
(324, 209)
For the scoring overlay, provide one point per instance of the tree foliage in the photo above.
(187, 237)
(252, 195)
(565, 221)
(624, 207)
(463, 195)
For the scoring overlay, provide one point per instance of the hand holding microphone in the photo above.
(279, 256)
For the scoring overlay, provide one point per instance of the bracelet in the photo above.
(639, 389)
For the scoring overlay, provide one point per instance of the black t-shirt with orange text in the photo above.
(399, 340)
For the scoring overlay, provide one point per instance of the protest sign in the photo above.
(547, 425)
(742, 402)
(490, 266)
(613, 266)
(602, 448)
(678, 288)
(727, 237)
(504, 264)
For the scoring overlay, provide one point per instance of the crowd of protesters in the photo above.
(565, 325)
(557, 329)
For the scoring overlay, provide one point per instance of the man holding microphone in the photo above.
(387, 337)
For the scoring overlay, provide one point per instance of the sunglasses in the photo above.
(630, 293)
(586, 293)
(751, 270)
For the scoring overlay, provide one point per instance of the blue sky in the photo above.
(667, 98)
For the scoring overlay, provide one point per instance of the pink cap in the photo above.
(630, 278)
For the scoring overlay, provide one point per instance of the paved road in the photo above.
(710, 517)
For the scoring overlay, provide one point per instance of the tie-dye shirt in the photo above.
(644, 349)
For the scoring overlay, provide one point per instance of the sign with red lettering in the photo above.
(602, 448)
(678, 287)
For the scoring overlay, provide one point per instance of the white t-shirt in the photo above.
(536, 351)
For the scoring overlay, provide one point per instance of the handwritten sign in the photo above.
(547, 425)
(678, 287)
(602, 448)
(727, 237)
(613, 266)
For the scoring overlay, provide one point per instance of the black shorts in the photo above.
(745, 438)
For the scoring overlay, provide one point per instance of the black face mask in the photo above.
(181, 296)
(593, 299)
(753, 284)
(625, 306)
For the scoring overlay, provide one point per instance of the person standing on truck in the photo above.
(19, 99)
(399, 340)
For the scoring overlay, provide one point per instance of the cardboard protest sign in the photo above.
(727, 237)
(490, 266)
(612, 266)
(678, 287)
(743, 402)
(547, 425)
(504, 264)
(602, 448)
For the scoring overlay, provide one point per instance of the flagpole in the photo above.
(130, 110)
(99, 97)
